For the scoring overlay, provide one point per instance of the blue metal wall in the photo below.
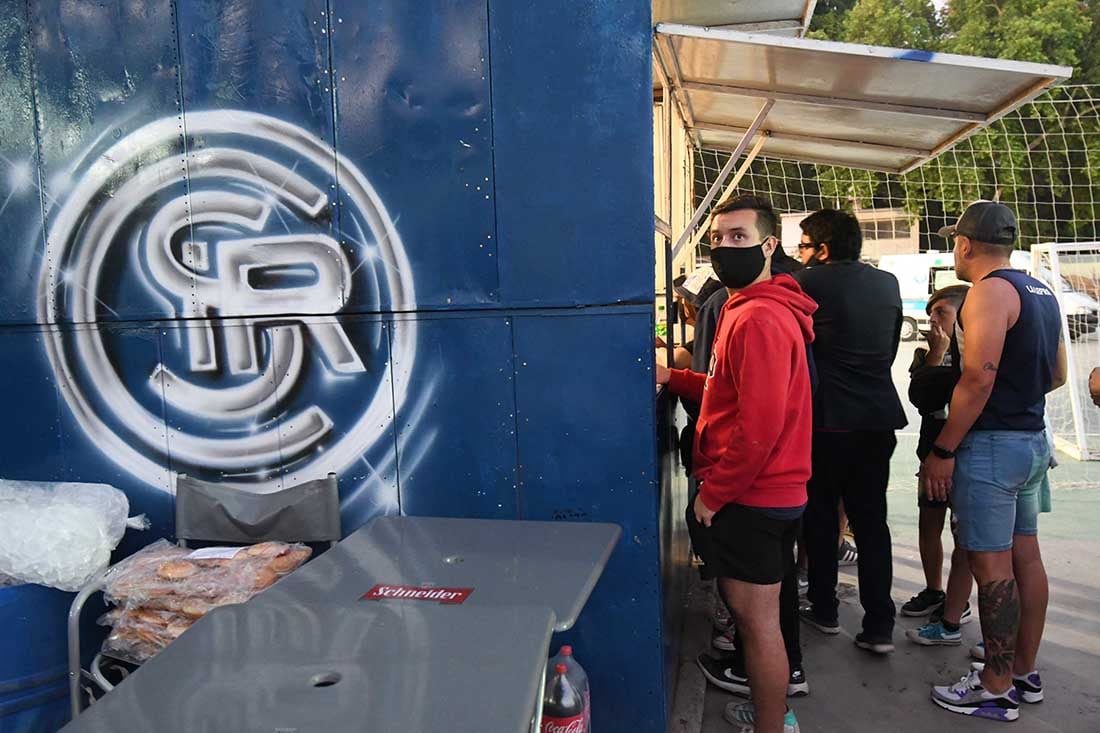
(411, 242)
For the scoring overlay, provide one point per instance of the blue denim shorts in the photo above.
(998, 477)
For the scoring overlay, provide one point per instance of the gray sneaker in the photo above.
(825, 626)
(1029, 687)
(873, 643)
(969, 697)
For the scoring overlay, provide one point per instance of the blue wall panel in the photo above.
(464, 464)
(584, 398)
(361, 406)
(101, 439)
(572, 134)
(102, 73)
(20, 204)
(33, 451)
(413, 113)
(258, 119)
(287, 237)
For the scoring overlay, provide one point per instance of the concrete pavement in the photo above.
(856, 692)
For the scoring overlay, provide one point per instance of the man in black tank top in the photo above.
(992, 456)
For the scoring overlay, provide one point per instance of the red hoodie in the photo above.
(752, 441)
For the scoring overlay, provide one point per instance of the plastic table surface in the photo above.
(310, 654)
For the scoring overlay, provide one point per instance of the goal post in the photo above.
(1072, 270)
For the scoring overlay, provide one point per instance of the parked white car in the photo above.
(920, 275)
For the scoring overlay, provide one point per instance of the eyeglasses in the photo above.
(810, 245)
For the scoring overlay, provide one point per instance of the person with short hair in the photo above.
(752, 449)
(933, 376)
(857, 329)
(992, 457)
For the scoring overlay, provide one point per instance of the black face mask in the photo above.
(737, 267)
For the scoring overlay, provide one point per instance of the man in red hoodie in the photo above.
(752, 444)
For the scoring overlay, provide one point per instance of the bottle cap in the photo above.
(566, 651)
(561, 669)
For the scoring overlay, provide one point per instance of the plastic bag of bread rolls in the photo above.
(162, 589)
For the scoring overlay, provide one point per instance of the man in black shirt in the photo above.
(856, 411)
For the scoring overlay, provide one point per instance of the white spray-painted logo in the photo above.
(240, 239)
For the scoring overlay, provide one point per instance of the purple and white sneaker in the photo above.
(968, 697)
(1028, 686)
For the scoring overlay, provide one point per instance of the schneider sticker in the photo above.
(449, 596)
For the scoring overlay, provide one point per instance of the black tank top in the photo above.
(1024, 376)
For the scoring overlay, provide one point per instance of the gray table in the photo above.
(309, 655)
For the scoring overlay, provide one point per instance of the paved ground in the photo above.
(856, 692)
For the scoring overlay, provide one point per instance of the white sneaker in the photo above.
(723, 640)
(969, 697)
(743, 717)
(722, 619)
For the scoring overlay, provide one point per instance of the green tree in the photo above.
(1046, 31)
(1038, 161)
(894, 23)
(828, 21)
(1035, 161)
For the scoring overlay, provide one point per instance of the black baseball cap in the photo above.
(985, 221)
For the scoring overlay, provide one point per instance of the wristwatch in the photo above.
(943, 453)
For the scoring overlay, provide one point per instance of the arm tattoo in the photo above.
(989, 366)
(999, 608)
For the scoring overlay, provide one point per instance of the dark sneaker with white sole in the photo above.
(847, 554)
(797, 686)
(729, 675)
(824, 626)
(969, 697)
(724, 674)
(1028, 686)
(966, 617)
(923, 603)
(874, 643)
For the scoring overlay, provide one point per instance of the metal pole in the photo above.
(670, 318)
(683, 323)
(536, 722)
(722, 176)
(73, 627)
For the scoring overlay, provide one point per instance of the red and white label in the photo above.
(563, 725)
(431, 594)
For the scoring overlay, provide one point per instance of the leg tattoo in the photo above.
(999, 606)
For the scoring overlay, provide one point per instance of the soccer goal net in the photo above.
(1042, 160)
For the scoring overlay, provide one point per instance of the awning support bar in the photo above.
(734, 182)
(824, 100)
(723, 176)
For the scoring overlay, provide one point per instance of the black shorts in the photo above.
(744, 544)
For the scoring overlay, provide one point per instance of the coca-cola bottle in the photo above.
(579, 679)
(562, 704)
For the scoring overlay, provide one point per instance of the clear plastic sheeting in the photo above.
(59, 534)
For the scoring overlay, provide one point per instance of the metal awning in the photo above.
(780, 17)
(841, 104)
(883, 109)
